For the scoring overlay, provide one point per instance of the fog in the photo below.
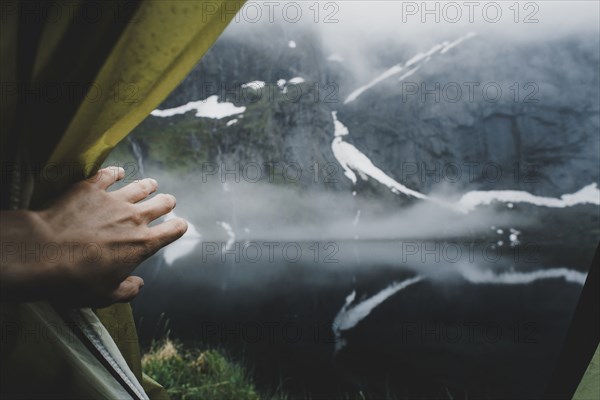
(352, 28)
(355, 22)
(262, 211)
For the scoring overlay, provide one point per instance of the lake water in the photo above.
(409, 319)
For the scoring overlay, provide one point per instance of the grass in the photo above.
(194, 374)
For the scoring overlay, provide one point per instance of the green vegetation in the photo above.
(194, 374)
(210, 375)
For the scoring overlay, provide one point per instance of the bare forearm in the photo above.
(26, 273)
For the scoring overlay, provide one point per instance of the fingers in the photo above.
(169, 231)
(127, 290)
(137, 191)
(107, 176)
(157, 206)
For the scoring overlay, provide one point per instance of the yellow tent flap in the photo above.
(78, 77)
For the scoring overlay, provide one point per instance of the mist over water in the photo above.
(269, 212)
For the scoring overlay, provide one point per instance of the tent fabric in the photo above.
(589, 387)
(77, 77)
(47, 360)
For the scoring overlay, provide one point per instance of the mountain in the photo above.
(472, 112)
(542, 137)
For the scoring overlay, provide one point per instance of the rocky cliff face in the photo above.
(544, 123)
(483, 115)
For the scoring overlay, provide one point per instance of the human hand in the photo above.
(104, 236)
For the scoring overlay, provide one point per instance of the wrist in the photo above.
(27, 274)
(51, 267)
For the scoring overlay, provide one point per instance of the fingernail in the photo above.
(119, 171)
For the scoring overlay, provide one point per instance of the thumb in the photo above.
(128, 289)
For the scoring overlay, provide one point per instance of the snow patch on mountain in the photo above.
(351, 160)
(388, 73)
(408, 73)
(339, 128)
(296, 80)
(457, 42)
(418, 60)
(587, 195)
(208, 108)
(256, 85)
